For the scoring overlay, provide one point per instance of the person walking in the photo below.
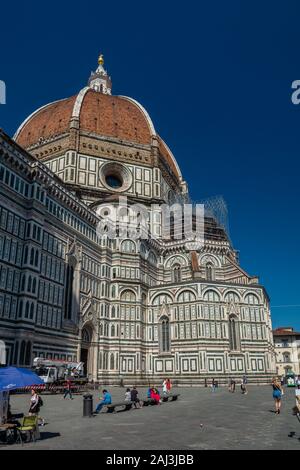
(213, 385)
(169, 385)
(134, 397)
(35, 403)
(106, 400)
(277, 394)
(245, 381)
(232, 386)
(68, 389)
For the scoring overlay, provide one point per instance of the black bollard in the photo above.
(87, 405)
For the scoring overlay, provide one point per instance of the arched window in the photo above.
(286, 357)
(171, 197)
(69, 292)
(31, 311)
(251, 299)
(85, 335)
(232, 297)
(32, 256)
(128, 296)
(112, 362)
(113, 311)
(172, 227)
(233, 333)
(34, 285)
(23, 282)
(161, 299)
(112, 331)
(20, 309)
(113, 291)
(211, 296)
(29, 284)
(27, 310)
(36, 258)
(186, 296)
(164, 334)
(128, 246)
(102, 289)
(143, 250)
(176, 273)
(152, 258)
(209, 272)
(25, 255)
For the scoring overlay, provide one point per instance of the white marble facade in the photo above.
(136, 310)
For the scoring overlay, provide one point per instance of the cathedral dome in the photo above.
(111, 116)
(95, 113)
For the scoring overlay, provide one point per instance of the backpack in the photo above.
(41, 403)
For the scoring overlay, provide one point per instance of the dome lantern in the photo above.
(99, 80)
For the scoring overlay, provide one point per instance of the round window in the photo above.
(115, 176)
(113, 181)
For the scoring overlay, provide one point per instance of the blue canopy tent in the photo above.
(12, 378)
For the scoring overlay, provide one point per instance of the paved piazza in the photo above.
(230, 421)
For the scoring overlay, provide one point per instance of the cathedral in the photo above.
(134, 309)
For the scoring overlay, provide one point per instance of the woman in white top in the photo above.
(35, 409)
(128, 395)
(34, 404)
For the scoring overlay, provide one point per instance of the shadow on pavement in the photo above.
(49, 435)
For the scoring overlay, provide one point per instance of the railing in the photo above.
(55, 389)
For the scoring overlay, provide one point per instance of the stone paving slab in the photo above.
(199, 419)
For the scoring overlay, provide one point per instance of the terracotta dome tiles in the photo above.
(47, 122)
(113, 116)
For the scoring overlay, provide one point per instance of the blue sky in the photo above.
(215, 78)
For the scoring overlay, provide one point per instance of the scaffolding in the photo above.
(216, 225)
(216, 208)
